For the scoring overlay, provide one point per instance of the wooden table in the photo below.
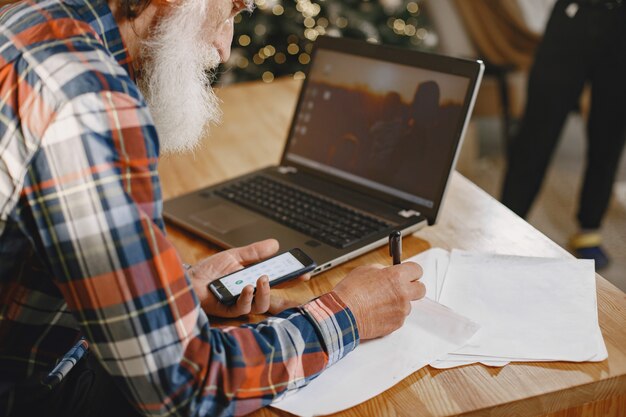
(256, 119)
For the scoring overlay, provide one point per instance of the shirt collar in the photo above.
(99, 16)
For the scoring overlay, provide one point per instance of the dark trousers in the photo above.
(589, 47)
(87, 391)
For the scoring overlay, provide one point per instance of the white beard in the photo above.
(175, 79)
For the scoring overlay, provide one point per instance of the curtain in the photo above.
(498, 29)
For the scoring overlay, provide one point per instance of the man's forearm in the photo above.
(252, 365)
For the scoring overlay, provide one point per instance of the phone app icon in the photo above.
(239, 282)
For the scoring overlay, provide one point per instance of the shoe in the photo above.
(587, 246)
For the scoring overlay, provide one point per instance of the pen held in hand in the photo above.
(395, 247)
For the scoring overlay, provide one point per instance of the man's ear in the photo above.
(157, 9)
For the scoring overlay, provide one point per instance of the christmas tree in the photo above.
(277, 39)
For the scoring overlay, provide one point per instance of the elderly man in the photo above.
(97, 314)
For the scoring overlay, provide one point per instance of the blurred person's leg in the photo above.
(605, 129)
(607, 120)
(554, 86)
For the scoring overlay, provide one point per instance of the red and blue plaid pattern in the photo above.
(84, 260)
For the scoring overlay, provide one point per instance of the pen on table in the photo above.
(395, 247)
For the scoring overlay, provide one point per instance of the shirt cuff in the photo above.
(335, 323)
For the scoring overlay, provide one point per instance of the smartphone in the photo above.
(279, 268)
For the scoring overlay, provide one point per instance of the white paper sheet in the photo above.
(453, 360)
(534, 309)
(429, 260)
(429, 332)
(442, 262)
(447, 364)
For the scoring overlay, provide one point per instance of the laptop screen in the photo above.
(383, 125)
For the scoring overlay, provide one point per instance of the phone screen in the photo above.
(274, 268)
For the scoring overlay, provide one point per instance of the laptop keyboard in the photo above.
(322, 219)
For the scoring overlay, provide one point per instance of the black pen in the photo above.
(395, 247)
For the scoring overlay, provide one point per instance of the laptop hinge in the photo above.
(287, 170)
(408, 213)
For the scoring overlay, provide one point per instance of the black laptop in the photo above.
(373, 141)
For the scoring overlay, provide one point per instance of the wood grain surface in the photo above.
(252, 135)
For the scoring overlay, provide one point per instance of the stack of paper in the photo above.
(429, 332)
(500, 309)
(529, 309)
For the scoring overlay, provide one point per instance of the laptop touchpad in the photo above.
(223, 218)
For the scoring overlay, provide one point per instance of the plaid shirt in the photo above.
(83, 253)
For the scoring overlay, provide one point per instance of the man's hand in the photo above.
(380, 298)
(228, 261)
